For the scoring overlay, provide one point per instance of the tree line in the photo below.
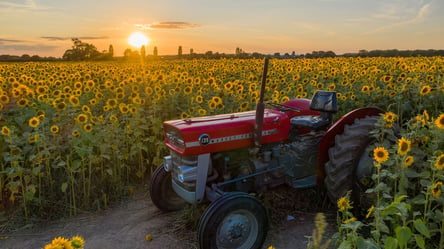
(82, 51)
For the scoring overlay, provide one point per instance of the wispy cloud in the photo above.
(3, 41)
(167, 25)
(60, 38)
(26, 5)
(414, 16)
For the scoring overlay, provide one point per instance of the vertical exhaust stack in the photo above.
(260, 107)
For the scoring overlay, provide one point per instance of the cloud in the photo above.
(3, 41)
(419, 16)
(59, 38)
(167, 25)
(26, 5)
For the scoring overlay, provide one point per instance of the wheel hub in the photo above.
(234, 231)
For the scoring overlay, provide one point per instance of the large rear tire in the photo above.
(350, 164)
(235, 220)
(162, 193)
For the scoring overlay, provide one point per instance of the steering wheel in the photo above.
(282, 107)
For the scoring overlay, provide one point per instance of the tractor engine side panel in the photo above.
(223, 132)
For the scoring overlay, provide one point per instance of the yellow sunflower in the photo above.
(343, 203)
(82, 118)
(380, 154)
(403, 146)
(77, 242)
(408, 161)
(436, 189)
(439, 163)
(439, 122)
(88, 128)
(34, 122)
(6, 131)
(425, 90)
(54, 129)
(61, 242)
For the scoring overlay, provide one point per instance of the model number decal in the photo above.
(205, 139)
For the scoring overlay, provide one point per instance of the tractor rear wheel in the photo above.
(235, 220)
(162, 193)
(350, 164)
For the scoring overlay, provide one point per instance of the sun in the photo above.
(138, 39)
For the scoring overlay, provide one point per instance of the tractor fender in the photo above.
(328, 140)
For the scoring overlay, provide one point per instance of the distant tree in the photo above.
(179, 51)
(81, 51)
(155, 51)
(111, 50)
(142, 52)
(191, 51)
(129, 54)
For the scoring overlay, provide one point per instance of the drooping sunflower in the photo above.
(370, 211)
(86, 109)
(439, 122)
(408, 161)
(390, 118)
(33, 138)
(75, 133)
(199, 99)
(202, 112)
(74, 100)
(112, 103)
(6, 131)
(403, 146)
(425, 90)
(439, 163)
(22, 102)
(380, 154)
(343, 203)
(60, 105)
(34, 122)
(436, 189)
(123, 108)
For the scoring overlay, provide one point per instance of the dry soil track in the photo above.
(125, 226)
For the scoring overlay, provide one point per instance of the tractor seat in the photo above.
(323, 101)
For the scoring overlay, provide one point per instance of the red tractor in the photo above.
(222, 159)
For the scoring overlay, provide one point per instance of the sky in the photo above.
(45, 27)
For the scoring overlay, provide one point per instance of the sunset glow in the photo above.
(138, 39)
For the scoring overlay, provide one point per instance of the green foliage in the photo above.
(408, 209)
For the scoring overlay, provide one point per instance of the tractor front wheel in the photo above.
(235, 220)
(350, 164)
(162, 193)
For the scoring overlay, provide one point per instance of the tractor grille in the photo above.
(179, 163)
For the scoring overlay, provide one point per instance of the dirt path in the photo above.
(126, 225)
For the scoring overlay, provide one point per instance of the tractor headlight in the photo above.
(187, 173)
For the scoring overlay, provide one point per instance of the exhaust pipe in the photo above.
(260, 107)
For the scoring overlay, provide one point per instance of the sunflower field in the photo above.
(78, 136)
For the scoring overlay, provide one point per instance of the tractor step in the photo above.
(305, 182)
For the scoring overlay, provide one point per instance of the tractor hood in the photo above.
(202, 135)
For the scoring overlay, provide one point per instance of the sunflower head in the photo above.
(344, 203)
(436, 189)
(439, 122)
(403, 146)
(380, 154)
(439, 163)
(408, 161)
(34, 122)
